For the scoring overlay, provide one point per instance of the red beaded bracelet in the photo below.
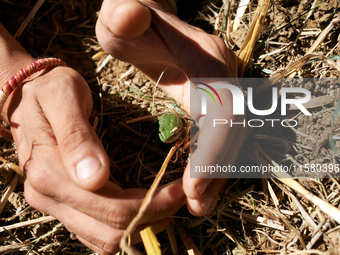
(25, 72)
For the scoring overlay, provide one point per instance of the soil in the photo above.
(122, 95)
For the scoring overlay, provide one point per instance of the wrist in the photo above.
(25, 74)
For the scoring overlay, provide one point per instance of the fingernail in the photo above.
(208, 204)
(87, 167)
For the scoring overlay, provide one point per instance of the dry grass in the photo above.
(254, 216)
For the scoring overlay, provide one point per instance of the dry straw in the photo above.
(125, 240)
(246, 50)
(327, 208)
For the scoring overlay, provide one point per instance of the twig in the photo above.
(172, 238)
(252, 36)
(188, 243)
(305, 22)
(147, 200)
(327, 208)
(12, 166)
(317, 234)
(272, 240)
(28, 18)
(240, 12)
(320, 39)
(154, 92)
(28, 223)
(306, 252)
(262, 221)
(10, 188)
(13, 248)
(104, 63)
(227, 232)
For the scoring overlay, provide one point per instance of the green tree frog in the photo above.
(171, 127)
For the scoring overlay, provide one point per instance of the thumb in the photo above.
(126, 19)
(67, 108)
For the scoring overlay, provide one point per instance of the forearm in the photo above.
(13, 57)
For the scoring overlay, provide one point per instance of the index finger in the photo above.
(221, 136)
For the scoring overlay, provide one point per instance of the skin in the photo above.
(165, 41)
(51, 147)
(59, 137)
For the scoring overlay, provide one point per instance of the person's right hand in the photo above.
(142, 33)
(65, 166)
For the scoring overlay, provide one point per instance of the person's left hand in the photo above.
(49, 121)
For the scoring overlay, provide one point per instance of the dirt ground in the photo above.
(253, 216)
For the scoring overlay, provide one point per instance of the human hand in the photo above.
(142, 33)
(48, 116)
